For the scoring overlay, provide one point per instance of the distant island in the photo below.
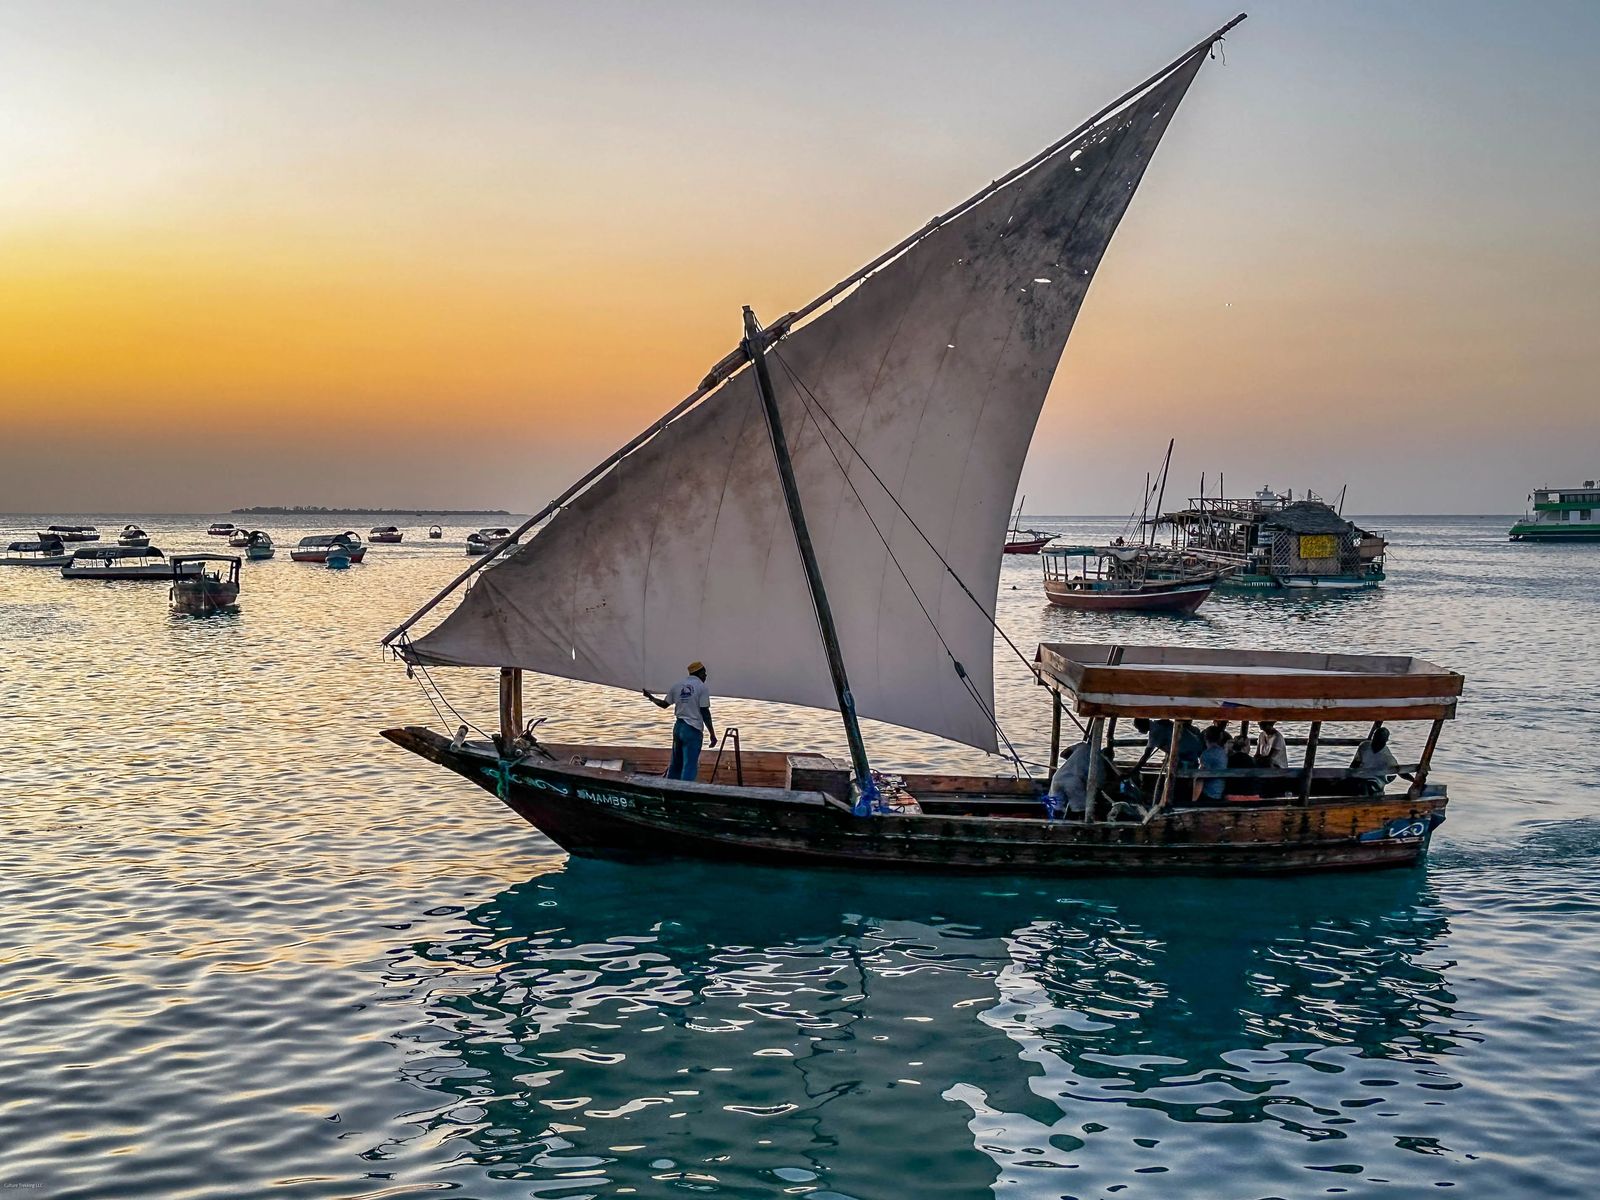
(317, 510)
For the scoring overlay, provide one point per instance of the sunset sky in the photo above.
(450, 254)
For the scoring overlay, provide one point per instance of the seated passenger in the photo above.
(1374, 764)
(1158, 736)
(1069, 785)
(1271, 749)
(1213, 758)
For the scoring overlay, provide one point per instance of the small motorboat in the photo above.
(484, 540)
(46, 552)
(132, 535)
(317, 548)
(198, 591)
(258, 546)
(1026, 541)
(1123, 579)
(118, 562)
(435, 532)
(221, 529)
(72, 533)
(384, 533)
(239, 538)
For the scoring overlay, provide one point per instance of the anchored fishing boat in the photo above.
(384, 533)
(118, 562)
(821, 531)
(435, 532)
(1561, 515)
(1124, 579)
(71, 533)
(133, 536)
(1025, 541)
(239, 538)
(317, 547)
(258, 546)
(199, 591)
(45, 552)
(1269, 541)
(220, 529)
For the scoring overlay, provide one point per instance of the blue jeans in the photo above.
(686, 743)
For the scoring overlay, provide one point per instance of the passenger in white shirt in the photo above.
(1374, 763)
(690, 700)
(1271, 749)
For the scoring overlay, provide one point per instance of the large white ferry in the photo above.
(1561, 515)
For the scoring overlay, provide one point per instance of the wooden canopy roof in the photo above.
(1191, 683)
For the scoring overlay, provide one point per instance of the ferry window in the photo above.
(1583, 514)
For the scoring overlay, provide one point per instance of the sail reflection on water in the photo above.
(966, 1035)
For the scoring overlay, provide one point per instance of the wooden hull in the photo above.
(1028, 545)
(157, 571)
(256, 553)
(322, 554)
(390, 538)
(605, 813)
(1181, 598)
(50, 560)
(201, 598)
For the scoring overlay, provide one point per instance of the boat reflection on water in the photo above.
(847, 1033)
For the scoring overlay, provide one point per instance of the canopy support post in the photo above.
(1055, 728)
(1311, 760)
(755, 347)
(1420, 779)
(1091, 787)
(1170, 775)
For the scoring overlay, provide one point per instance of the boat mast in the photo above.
(755, 347)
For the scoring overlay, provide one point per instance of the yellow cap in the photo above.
(696, 666)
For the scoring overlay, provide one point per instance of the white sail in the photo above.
(933, 371)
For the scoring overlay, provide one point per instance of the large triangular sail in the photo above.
(909, 406)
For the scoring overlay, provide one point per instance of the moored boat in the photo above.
(1123, 579)
(482, 541)
(239, 538)
(132, 535)
(220, 529)
(694, 541)
(259, 546)
(118, 562)
(198, 590)
(72, 533)
(435, 532)
(1025, 541)
(1561, 515)
(317, 547)
(384, 533)
(44, 552)
(1270, 541)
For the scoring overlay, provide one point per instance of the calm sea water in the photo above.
(248, 948)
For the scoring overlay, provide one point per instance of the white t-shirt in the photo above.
(688, 698)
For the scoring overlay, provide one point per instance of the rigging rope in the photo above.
(961, 672)
(405, 642)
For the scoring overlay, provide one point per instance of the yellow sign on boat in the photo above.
(1319, 545)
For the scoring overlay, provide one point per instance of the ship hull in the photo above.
(599, 813)
(1554, 533)
(1182, 599)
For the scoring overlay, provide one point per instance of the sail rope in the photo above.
(413, 666)
(810, 399)
(961, 672)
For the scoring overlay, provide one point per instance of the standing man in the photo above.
(691, 701)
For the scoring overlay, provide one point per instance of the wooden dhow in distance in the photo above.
(818, 521)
